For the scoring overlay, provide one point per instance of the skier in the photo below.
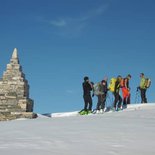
(87, 88)
(117, 98)
(102, 93)
(142, 88)
(126, 90)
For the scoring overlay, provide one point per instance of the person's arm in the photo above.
(90, 84)
(126, 83)
(83, 86)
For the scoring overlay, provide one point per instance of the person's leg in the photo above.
(125, 93)
(90, 103)
(99, 102)
(116, 95)
(145, 99)
(124, 101)
(128, 99)
(85, 102)
(119, 101)
(103, 101)
(143, 95)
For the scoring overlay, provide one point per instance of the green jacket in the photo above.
(142, 83)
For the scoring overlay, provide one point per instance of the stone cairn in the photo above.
(14, 92)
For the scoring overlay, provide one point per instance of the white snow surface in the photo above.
(128, 132)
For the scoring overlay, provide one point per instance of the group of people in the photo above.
(101, 89)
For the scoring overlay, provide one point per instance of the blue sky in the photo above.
(61, 41)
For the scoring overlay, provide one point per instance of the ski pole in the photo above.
(137, 96)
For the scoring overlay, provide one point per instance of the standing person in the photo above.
(105, 83)
(102, 92)
(143, 88)
(87, 88)
(126, 90)
(117, 97)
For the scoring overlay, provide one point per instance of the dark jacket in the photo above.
(117, 87)
(86, 88)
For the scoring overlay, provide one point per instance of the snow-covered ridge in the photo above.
(130, 107)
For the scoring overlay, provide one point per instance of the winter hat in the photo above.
(129, 76)
(86, 78)
(119, 76)
(103, 81)
(142, 74)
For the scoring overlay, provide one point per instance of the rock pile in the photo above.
(14, 92)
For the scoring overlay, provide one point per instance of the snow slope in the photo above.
(131, 131)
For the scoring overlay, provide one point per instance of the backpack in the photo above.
(112, 84)
(96, 88)
(147, 83)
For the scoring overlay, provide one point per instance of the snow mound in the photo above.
(65, 114)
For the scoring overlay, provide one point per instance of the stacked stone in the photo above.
(14, 89)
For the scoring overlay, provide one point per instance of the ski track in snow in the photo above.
(127, 132)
